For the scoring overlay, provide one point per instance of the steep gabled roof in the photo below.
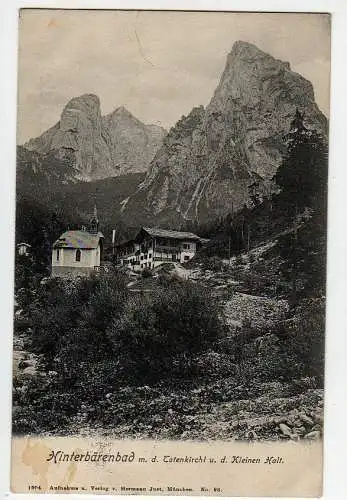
(23, 245)
(78, 239)
(168, 233)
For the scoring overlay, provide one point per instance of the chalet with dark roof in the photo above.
(154, 246)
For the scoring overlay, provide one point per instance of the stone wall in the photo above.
(71, 271)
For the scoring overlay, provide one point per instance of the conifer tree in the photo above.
(302, 176)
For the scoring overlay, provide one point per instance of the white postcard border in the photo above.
(336, 402)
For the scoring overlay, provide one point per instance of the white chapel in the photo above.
(78, 252)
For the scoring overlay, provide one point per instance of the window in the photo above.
(78, 255)
(58, 254)
(186, 257)
(186, 246)
(149, 255)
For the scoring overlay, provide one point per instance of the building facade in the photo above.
(153, 246)
(78, 252)
(23, 249)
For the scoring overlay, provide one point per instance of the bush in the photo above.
(238, 262)
(211, 364)
(303, 339)
(299, 386)
(147, 273)
(40, 404)
(214, 263)
(158, 333)
(289, 349)
(70, 318)
(93, 337)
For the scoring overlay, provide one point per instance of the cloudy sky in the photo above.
(156, 64)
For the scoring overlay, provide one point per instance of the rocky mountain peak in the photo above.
(244, 49)
(122, 115)
(253, 78)
(122, 111)
(115, 144)
(248, 51)
(253, 61)
(210, 158)
(84, 106)
(84, 102)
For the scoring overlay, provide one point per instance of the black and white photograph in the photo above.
(171, 226)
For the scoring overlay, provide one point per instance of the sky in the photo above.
(158, 65)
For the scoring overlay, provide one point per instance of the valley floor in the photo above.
(221, 406)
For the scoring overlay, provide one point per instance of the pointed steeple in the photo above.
(94, 222)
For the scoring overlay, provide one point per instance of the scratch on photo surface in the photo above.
(141, 49)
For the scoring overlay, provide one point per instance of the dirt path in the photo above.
(181, 271)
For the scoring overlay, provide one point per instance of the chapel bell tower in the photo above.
(94, 222)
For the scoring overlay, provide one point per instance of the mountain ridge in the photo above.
(210, 159)
(103, 146)
(205, 166)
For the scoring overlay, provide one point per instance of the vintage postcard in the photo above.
(170, 262)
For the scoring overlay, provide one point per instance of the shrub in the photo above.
(40, 404)
(211, 364)
(161, 331)
(70, 318)
(298, 386)
(291, 349)
(214, 263)
(303, 339)
(238, 262)
(94, 337)
(147, 273)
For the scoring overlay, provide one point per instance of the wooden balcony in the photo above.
(165, 259)
(167, 249)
